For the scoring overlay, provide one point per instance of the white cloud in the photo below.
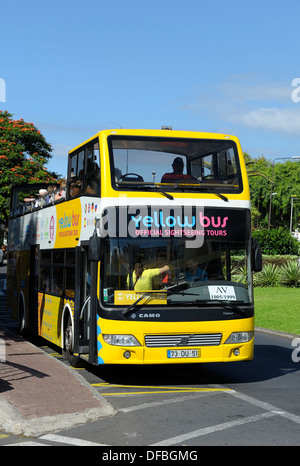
(285, 120)
(243, 100)
(248, 92)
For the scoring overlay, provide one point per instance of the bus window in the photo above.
(73, 166)
(57, 280)
(80, 164)
(92, 179)
(70, 274)
(84, 171)
(45, 278)
(185, 164)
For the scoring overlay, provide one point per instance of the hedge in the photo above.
(276, 241)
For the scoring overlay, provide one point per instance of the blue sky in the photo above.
(74, 68)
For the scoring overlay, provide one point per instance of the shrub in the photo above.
(239, 274)
(276, 241)
(269, 276)
(290, 274)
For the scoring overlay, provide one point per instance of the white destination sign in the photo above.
(222, 293)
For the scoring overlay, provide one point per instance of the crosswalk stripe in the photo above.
(70, 440)
(26, 444)
(57, 439)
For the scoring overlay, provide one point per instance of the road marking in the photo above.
(159, 392)
(212, 429)
(266, 406)
(214, 389)
(57, 439)
(26, 444)
(56, 355)
(163, 402)
(156, 389)
(70, 440)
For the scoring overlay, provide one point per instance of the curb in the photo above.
(276, 332)
(11, 420)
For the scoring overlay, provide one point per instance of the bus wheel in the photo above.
(67, 351)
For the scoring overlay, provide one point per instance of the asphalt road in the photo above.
(253, 403)
(189, 406)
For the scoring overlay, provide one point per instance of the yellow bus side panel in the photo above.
(49, 317)
(50, 311)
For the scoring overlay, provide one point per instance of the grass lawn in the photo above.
(278, 308)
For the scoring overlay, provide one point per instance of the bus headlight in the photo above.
(121, 340)
(239, 337)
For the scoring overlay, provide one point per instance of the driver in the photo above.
(177, 174)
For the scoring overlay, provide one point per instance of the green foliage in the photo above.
(24, 153)
(282, 178)
(239, 274)
(269, 276)
(260, 182)
(276, 241)
(279, 259)
(290, 274)
(287, 275)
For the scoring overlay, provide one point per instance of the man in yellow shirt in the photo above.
(142, 278)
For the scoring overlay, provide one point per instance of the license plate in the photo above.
(184, 353)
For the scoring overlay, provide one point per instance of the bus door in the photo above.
(85, 320)
(33, 287)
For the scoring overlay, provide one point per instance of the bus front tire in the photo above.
(67, 351)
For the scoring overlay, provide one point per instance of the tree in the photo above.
(259, 172)
(286, 183)
(24, 152)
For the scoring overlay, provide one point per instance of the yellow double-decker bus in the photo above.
(147, 255)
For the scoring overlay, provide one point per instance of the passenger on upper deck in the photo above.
(75, 188)
(177, 172)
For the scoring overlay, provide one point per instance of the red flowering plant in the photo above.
(24, 152)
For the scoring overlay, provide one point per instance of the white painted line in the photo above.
(166, 402)
(25, 444)
(70, 440)
(266, 406)
(212, 429)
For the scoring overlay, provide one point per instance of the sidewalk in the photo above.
(39, 394)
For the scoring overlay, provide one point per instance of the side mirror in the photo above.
(95, 250)
(256, 256)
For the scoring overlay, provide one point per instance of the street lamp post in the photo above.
(293, 198)
(272, 184)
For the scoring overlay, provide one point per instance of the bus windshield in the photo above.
(174, 164)
(216, 269)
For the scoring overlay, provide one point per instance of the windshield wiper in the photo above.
(220, 195)
(134, 305)
(197, 184)
(146, 187)
(213, 191)
(164, 193)
(170, 289)
(225, 304)
(148, 295)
